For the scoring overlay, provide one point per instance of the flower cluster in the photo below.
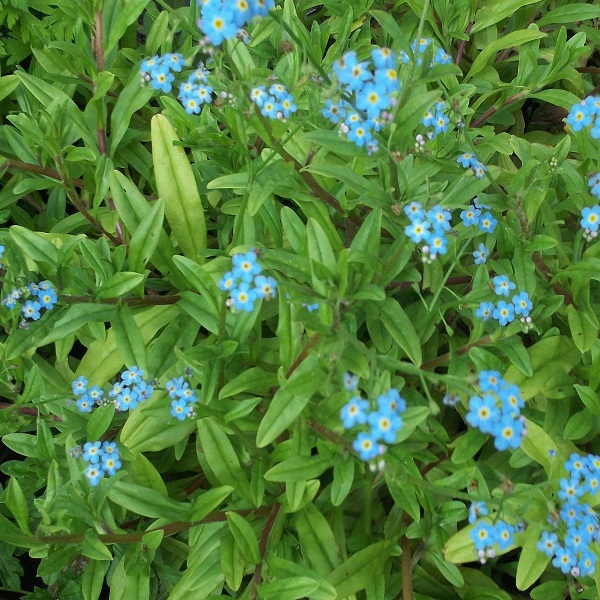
(195, 91)
(278, 103)
(183, 398)
(372, 84)
(577, 522)
(102, 459)
(590, 217)
(487, 536)
(35, 296)
(504, 312)
(475, 217)
(429, 227)
(383, 423)
(131, 389)
(158, 70)
(441, 57)
(223, 19)
(497, 410)
(586, 114)
(437, 119)
(469, 161)
(245, 283)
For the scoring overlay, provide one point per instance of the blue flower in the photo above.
(384, 425)
(590, 218)
(350, 382)
(502, 285)
(94, 394)
(437, 242)
(243, 297)
(383, 58)
(482, 535)
(467, 160)
(548, 543)
(508, 433)
(265, 287)
(522, 304)
(391, 402)
(354, 412)
(79, 386)
(570, 490)
(179, 409)
(476, 510)
(490, 381)
(132, 375)
(335, 112)
(416, 230)
(218, 23)
(470, 216)
(485, 311)
(366, 446)
(504, 313)
(31, 310)
(481, 254)
(94, 474)
(414, 211)
(439, 217)
(483, 413)
(162, 80)
(245, 266)
(110, 464)
(487, 223)
(504, 535)
(372, 98)
(579, 117)
(564, 559)
(47, 298)
(84, 404)
(92, 452)
(126, 400)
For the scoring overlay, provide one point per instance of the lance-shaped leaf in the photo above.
(146, 237)
(176, 184)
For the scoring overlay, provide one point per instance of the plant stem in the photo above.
(262, 548)
(146, 301)
(407, 588)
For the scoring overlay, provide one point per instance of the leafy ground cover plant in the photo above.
(299, 300)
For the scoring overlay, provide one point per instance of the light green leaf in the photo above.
(143, 501)
(175, 183)
(146, 237)
(509, 40)
(244, 537)
(288, 588)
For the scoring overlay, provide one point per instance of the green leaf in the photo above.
(448, 570)
(129, 13)
(119, 284)
(317, 541)
(517, 354)
(130, 343)
(141, 500)
(532, 562)
(588, 397)
(8, 84)
(468, 445)
(400, 327)
(93, 548)
(538, 445)
(200, 279)
(150, 433)
(254, 381)
(509, 40)
(17, 504)
(357, 572)
(35, 245)
(221, 457)
(209, 500)
(232, 562)
(571, 13)
(343, 477)
(493, 13)
(244, 537)
(99, 421)
(146, 237)
(298, 468)
(288, 588)
(289, 401)
(93, 579)
(175, 183)
(282, 568)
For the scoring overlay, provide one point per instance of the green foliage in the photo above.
(131, 208)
